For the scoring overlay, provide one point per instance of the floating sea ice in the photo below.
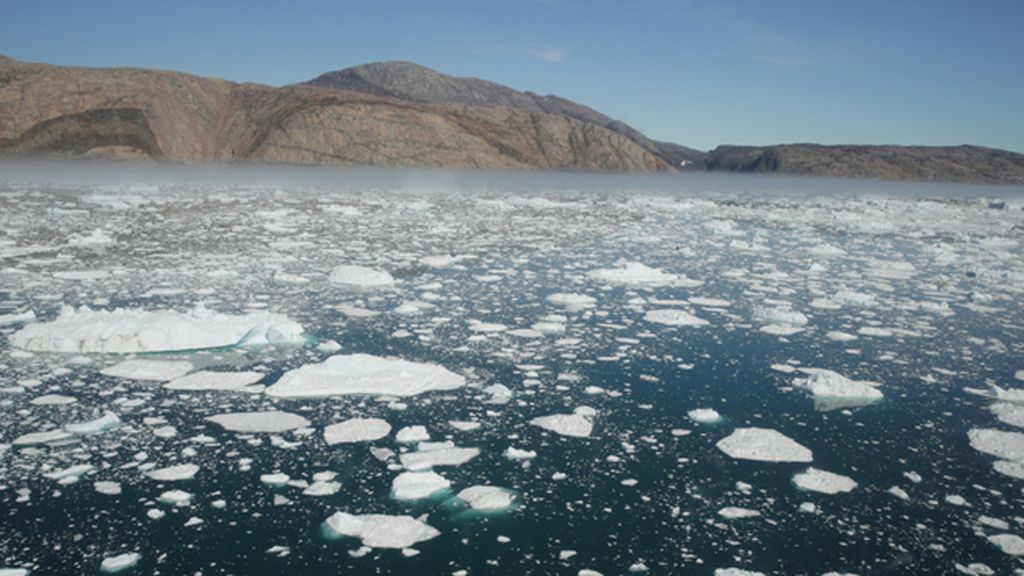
(549, 328)
(825, 482)
(175, 497)
(572, 301)
(109, 421)
(671, 317)
(412, 434)
(705, 415)
(1009, 543)
(106, 488)
(579, 424)
(513, 453)
(486, 327)
(1008, 446)
(120, 563)
(635, 273)
(275, 479)
(125, 331)
(486, 497)
(431, 454)
(97, 238)
(736, 513)
(382, 531)
(47, 437)
(364, 374)
(154, 370)
(418, 485)
(837, 336)
(763, 445)
(14, 572)
(74, 472)
(828, 385)
(272, 421)
(322, 488)
(174, 473)
(356, 430)
(53, 400)
(736, 572)
(1009, 413)
(361, 277)
(12, 319)
(209, 380)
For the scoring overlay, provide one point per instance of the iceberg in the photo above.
(126, 331)
(381, 530)
(364, 374)
(763, 445)
(271, 421)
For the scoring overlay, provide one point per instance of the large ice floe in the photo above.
(268, 421)
(579, 424)
(125, 331)
(824, 482)
(489, 498)
(763, 445)
(1005, 445)
(380, 530)
(356, 430)
(364, 374)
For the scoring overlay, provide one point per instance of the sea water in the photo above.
(593, 338)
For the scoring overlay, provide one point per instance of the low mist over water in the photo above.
(265, 370)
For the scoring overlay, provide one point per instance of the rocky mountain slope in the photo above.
(53, 110)
(920, 163)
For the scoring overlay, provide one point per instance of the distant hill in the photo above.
(119, 112)
(919, 163)
(399, 114)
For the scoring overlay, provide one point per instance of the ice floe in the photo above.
(206, 380)
(833, 390)
(579, 424)
(120, 563)
(356, 430)
(269, 421)
(360, 277)
(432, 454)
(148, 370)
(764, 445)
(174, 473)
(418, 485)
(671, 317)
(704, 415)
(487, 497)
(824, 482)
(364, 374)
(382, 531)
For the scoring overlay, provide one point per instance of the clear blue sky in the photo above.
(697, 72)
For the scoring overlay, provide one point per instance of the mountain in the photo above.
(919, 163)
(70, 111)
(411, 82)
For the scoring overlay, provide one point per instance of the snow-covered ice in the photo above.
(364, 374)
(764, 445)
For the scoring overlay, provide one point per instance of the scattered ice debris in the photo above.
(120, 563)
(174, 473)
(579, 424)
(736, 513)
(272, 421)
(209, 380)
(364, 374)
(356, 430)
(824, 482)
(109, 421)
(1009, 543)
(418, 485)
(382, 531)
(153, 370)
(704, 415)
(431, 454)
(487, 497)
(671, 317)
(125, 331)
(764, 445)
(360, 277)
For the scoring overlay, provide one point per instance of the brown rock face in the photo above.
(51, 110)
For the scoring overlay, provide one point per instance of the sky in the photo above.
(695, 72)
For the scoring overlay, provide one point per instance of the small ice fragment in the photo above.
(1009, 543)
(412, 434)
(209, 381)
(705, 415)
(322, 488)
(579, 424)
(107, 488)
(105, 423)
(736, 513)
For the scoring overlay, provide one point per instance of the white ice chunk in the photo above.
(736, 513)
(271, 421)
(487, 497)
(437, 454)
(635, 273)
(209, 380)
(47, 437)
(153, 370)
(322, 488)
(71, 472)
(125, 331)
(763, 445)
(412, 434)
(579, 424)
(382, 531)
(572, 301)
(705, 415)
(361, 277)
(824, 482)
(1009, 543)
(174, 473)
(671, 317)
(826, 384)
(356, 430)
(53, 400)
(19, 318)
(105, 423)
(364, 374)
(120, 563)
(107, 487)
(418, 485)
(736, 572)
